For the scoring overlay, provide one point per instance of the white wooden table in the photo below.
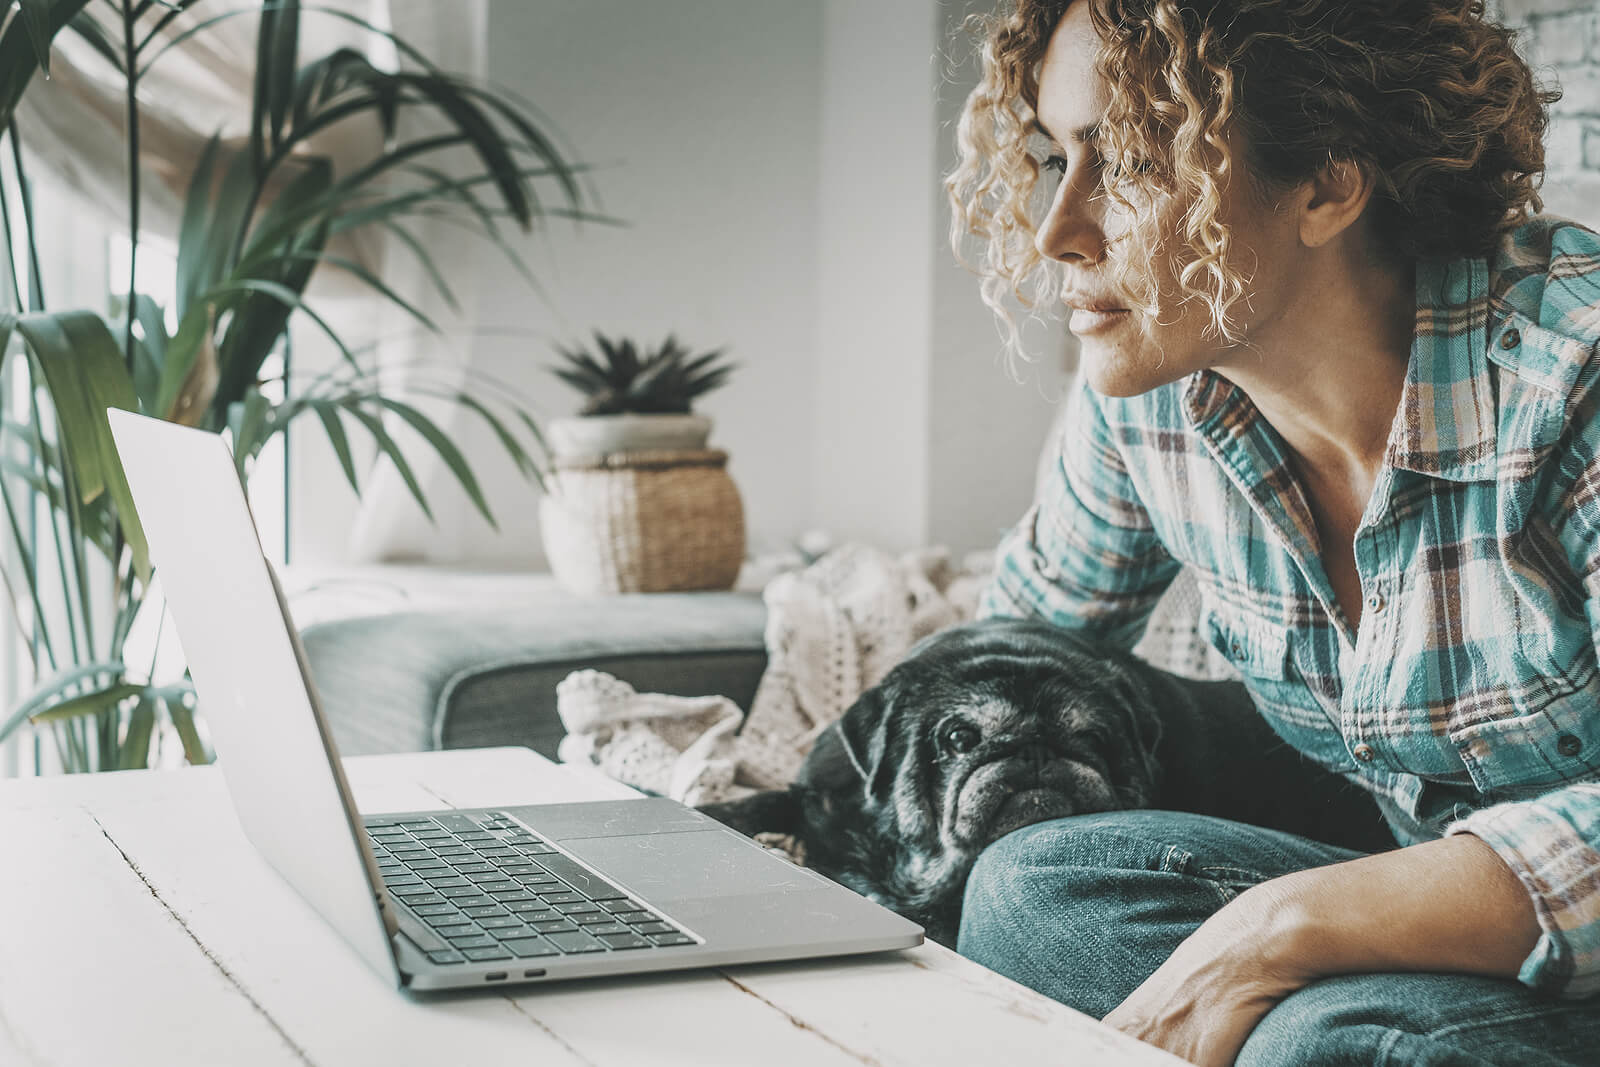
(138, 926)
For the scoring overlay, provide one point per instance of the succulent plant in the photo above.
(618, 379)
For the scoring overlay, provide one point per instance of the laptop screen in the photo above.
(256, 698)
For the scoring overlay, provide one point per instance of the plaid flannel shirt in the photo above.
(1468, 700)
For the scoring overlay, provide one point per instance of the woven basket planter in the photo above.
(643, 522)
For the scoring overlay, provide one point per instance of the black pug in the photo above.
(998, 724)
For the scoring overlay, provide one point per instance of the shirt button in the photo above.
(1375, 602)
(1363, 752)
(1510, 339)
(1568, 745)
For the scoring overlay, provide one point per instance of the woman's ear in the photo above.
(1333, 200)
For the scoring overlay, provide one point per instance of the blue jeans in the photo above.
(1085, 908)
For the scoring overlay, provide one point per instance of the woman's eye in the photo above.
(1133, 168)
(959, 737)
(1057, 164)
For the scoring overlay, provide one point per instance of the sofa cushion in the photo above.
(411, 681)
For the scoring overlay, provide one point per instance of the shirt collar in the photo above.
(1446, 423)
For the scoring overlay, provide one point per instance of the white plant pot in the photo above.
(600, 435)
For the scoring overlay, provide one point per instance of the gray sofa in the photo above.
(470, 677)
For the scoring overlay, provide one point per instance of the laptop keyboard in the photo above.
(482, 887)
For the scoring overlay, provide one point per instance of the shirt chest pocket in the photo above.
(1528, 754)
(1261, 654)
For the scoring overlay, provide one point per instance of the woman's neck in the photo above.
(1328, 374)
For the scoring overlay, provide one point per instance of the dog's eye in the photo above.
(959, 737)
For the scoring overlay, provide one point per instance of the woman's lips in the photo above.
(1096, 320)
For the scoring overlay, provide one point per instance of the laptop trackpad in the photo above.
(683, 866)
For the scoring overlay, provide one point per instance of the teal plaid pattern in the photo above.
(1468, 700)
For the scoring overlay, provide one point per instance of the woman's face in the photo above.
(1125, 351)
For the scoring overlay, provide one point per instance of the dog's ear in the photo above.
(775, 811)
(863, 732)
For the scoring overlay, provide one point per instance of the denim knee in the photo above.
(1426, 1020)
(1083, 909)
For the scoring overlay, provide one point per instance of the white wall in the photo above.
(779, 162)
(704, 116)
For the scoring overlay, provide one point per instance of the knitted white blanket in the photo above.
(834, 629)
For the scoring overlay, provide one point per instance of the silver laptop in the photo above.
(448, 899)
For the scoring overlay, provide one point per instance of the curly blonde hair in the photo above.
(1425, 95)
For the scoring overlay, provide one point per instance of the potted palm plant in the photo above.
(261, 217)
(636, 502)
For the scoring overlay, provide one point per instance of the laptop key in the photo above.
(537, 878)
(673, 938)
(455, 928)
(429, 897)
(510, 895)
(496, 953)
(484, 911)
(635, 916)
(622, 905)
(577, 907)
(624, 940)
(473, 867)
(599, 928)
(472, 941)
(490, 887)
(431, 910)
(552, 926)
(535, 906)
(574, 942)
(564, 897)
(489, 922)
(655, 928)
(527, 947)
(443, 880)
(595, 919)
(478, 901)
(457, 891)
(507, 933)
(446, 956)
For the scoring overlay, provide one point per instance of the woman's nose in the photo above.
(1071, 230)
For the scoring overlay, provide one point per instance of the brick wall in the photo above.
(1561, 39)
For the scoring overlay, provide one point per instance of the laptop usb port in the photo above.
(495, 976)
(534, 974)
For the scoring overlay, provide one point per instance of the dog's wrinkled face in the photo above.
(992, 726)
(984, 728)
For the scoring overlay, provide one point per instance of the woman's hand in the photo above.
(1447, 905)
(1206, 999)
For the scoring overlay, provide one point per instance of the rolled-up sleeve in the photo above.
(1085, 554)
(1550, 845)
(1552, 842)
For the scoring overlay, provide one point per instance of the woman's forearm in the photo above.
(1448, 905)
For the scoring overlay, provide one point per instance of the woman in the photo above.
(1336, 366)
